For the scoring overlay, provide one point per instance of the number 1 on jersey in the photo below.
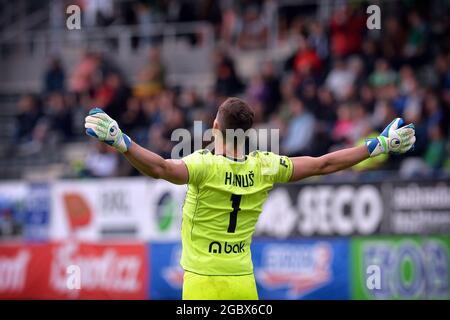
(235, 203)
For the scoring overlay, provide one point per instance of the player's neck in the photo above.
(231, 152)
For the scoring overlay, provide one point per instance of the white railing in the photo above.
(23, 58)
(46, 40)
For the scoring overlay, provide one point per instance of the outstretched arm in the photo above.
(99, 125)
(392, 140)
(339, 160)
(153, 165)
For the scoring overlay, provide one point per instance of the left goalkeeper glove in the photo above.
(101, 126)
(393, 139)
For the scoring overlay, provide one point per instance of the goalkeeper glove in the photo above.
(99, 125)
(393, 139)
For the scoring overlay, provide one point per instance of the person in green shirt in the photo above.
(227, 189)
(436, 150)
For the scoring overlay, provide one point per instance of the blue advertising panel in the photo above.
(302, 269)
(294, 269)
(37, 212)
(166, 274)
(24, 210)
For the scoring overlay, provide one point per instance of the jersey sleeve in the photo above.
(195, 163)
(278, 167)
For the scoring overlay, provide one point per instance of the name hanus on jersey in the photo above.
(239, 180)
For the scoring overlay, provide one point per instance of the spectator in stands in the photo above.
(152, 111)
(59, 117)
(151, 78)
(160, 135)
(98, 13)
(412, 111)
(342, 131)
(325, 114)
(383, 74)
(360, 122)
(147, 12)
(308, 94)
(101, 161)
(356, 66)
(369, 54)
(133, 120)
(191, 104)
(288, 92)
(326, 107)
(442, 67)
(113, 95)
(393, 41)
(436, 151)
(346, 31)
(30, 112)
(433, 110)
(37, 129)
(254, 33)
(54, 77)
(416, 39)
(340, 80)
(382, 114)
(306, 60)
(300, 129)
(231, 24)
(256, 91)
(82, 79)
(227, 80)
(271, 85)
(105, 93)
(367, 97)
(133, 117)
(318, 40)
(407, 79)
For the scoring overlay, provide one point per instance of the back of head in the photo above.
(235, 114)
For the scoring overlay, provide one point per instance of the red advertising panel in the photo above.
(73, 270)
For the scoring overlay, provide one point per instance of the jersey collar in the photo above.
(230, 158)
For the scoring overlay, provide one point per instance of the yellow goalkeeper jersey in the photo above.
(224, 200)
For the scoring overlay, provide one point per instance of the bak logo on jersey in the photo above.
(239, 180)
(216, 247)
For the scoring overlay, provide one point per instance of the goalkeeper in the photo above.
(227, 190)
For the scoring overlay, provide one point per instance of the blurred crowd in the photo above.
(342, 84)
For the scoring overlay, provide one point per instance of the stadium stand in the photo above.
(158, 65)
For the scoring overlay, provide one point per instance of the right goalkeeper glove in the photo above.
(101, 126)
(393, 139)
